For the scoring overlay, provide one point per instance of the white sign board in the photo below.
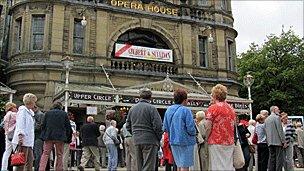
(144, 53)
(91, 110)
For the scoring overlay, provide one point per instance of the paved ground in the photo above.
(159, 169)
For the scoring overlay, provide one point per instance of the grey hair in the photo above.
(272, 108)
(145, 93)
(29, 98)
(200, 115)
(112, 122)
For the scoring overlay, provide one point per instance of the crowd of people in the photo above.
(206, 140)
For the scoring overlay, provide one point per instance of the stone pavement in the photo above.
(159, 169)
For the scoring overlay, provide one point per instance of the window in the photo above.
(202, 2)
(230, 55)
(18, 34)
(203, 55)
(37, 32)
(78, 37)
(224, 4)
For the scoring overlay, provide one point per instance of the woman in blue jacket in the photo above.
(179, 124)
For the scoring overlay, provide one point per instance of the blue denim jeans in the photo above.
(112, 157)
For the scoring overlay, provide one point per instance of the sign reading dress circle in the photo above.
(144, 7)
(144, 53)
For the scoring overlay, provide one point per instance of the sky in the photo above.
(254, 20)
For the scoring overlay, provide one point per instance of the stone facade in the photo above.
(38, 71)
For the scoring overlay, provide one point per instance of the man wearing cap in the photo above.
(145, 125)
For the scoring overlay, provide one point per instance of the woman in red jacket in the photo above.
(168, 160)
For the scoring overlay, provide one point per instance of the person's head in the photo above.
(145, 93)
(284, 117)
(90, 119)
(57, 105)
(274, 109)
(251, 122)
(260, 118)
(200, 115)
(298, 124)
(113, 123)
(265, 113)
(29, 100)
(219, 92)
(180, 96)
(102, 128)
(9, 106)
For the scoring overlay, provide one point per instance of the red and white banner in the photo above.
(145, 53)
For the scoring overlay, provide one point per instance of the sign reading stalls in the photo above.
(144, 7)
(144, 53)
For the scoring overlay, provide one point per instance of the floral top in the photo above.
(10, 121)
(222, 117)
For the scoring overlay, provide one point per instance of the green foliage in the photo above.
(278, 69)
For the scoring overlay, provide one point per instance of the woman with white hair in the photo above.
(24, 131)
(202, 148)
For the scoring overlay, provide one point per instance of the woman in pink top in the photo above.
(221, 138)
(9, 127)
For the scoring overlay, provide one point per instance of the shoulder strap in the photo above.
(173, 115)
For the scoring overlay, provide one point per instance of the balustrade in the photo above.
(132, 65)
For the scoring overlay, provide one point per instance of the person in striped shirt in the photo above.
(290, 135)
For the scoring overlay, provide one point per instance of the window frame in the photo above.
(18, 35)
(203, 52)
(230, 55)
(78, 37)
(41, 33)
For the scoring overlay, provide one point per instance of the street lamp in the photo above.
(68, 64)
(248, 81)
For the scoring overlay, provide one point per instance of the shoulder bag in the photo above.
(238, 156)
(115, 140)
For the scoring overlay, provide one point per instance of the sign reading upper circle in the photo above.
(143, 53)
(144, 7)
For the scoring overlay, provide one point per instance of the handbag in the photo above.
(238, 156)
(251, 148)
(255, 138)
(18, 158)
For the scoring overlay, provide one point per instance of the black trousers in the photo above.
(263, 156)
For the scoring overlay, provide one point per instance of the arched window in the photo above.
(140, 37)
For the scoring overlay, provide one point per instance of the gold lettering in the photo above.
(163, 10)
(133, 5)
(127, 4)
(140, 7)
(174, 12)
(156, 9)
(149, 8)
(169, 11)
(113, 2)
(120, 3)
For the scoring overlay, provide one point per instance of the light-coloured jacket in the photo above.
(111, 131)
(25, 125)
(9, 121)
(274, 130)
(300, 137)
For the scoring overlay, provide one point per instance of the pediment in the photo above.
(165, 87)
